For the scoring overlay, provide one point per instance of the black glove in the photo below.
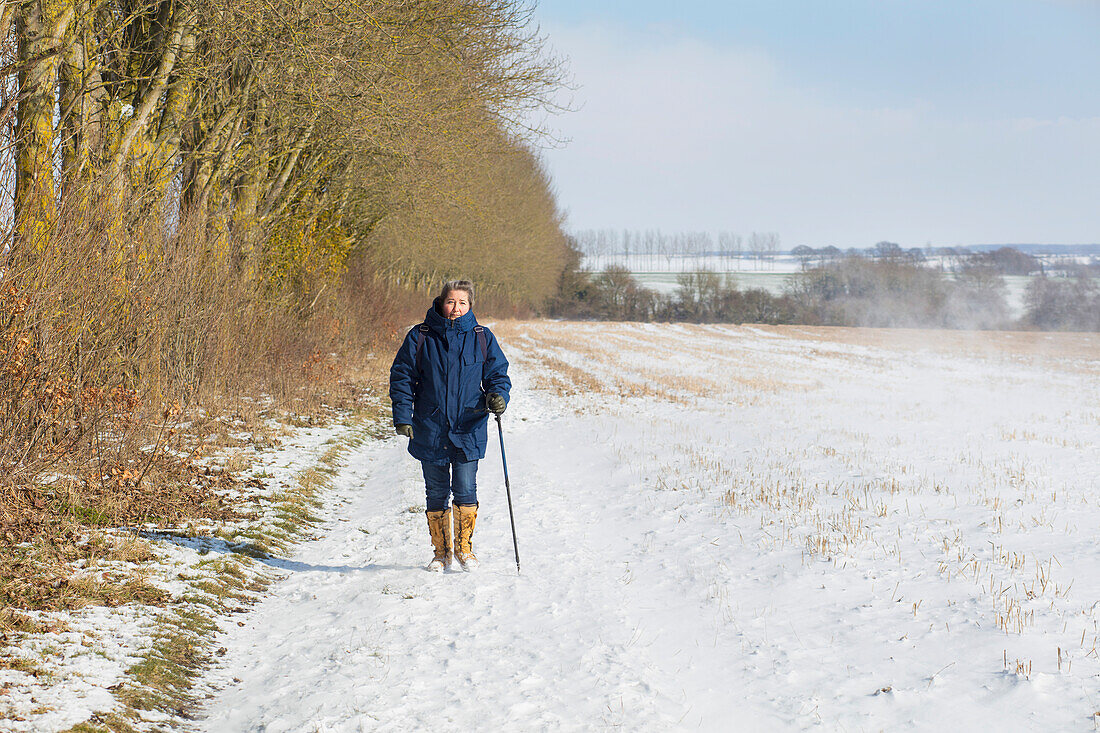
(406, 430)
(495, 402)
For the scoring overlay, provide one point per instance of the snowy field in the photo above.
(721, 528)
(778, 263)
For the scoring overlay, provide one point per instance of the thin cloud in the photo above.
(677, 133)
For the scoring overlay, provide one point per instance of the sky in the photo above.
(842, 122)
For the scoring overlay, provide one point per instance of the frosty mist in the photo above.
(628, 275)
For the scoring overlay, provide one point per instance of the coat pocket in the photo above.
(426, 424)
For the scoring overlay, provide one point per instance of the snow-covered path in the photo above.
(720, 529)
(608, 625)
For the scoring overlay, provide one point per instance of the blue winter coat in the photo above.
(441, 391)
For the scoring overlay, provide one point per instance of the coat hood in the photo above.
(438, 323)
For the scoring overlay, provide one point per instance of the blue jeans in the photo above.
(458, 478)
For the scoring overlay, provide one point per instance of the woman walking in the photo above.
(447, 376)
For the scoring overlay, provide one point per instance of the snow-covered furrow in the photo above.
(806, 532)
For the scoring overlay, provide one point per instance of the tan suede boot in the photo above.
(439, 525)
(465, 519)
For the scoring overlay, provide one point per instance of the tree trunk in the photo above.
(39, 27)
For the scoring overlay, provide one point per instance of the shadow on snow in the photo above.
(205, 545)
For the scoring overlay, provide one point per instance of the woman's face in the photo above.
(456, 304)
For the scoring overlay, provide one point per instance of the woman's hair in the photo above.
(464, 285)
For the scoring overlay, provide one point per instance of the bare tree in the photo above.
(758, 244)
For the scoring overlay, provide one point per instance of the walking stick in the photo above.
(508, 489)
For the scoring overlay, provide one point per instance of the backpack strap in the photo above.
(422, 330)
(482, 341)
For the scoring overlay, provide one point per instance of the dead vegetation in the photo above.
(237, 207)
(573, 359)
(112, 567)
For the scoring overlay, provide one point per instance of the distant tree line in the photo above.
(888, 286)
(896, 291)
